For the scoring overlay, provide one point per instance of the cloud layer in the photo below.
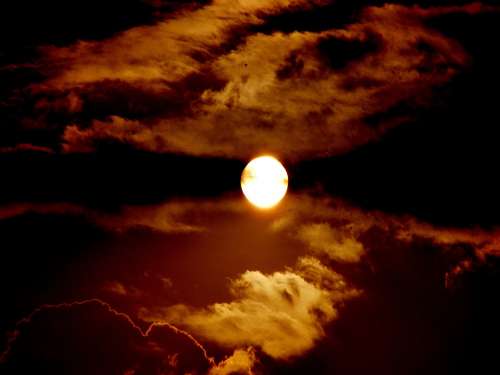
(203, 82)
(336, 257)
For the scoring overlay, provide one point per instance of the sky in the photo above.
(127, 246)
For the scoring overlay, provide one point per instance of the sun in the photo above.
(264, 181)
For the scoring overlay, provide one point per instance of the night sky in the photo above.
(127, 246)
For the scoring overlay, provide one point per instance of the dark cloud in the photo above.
(439, 164)
(91, 337)
(26, 147)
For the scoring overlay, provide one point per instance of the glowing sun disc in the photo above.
(264, 181)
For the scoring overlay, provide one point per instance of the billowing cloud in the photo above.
(282, 313)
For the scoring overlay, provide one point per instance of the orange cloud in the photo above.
(282, 313)
(165, 52)
(323, 239)
(240, 362)
(118, 288)
(336, 221)
(233, 92)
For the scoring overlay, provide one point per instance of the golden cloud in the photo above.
(165, 52)
(283, 313)
(240, 362)
(234, 92)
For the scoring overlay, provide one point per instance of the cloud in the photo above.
(167, 51)
(328, 225)
(177, 216)
(91, 337)
(240, 362)
(116, 287)
(25, 147)
(271, 91)
(333, 220)
(119, 289)
(203, 81)
(282, 313)
(323, 239)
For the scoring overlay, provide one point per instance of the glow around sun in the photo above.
(264, 181)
